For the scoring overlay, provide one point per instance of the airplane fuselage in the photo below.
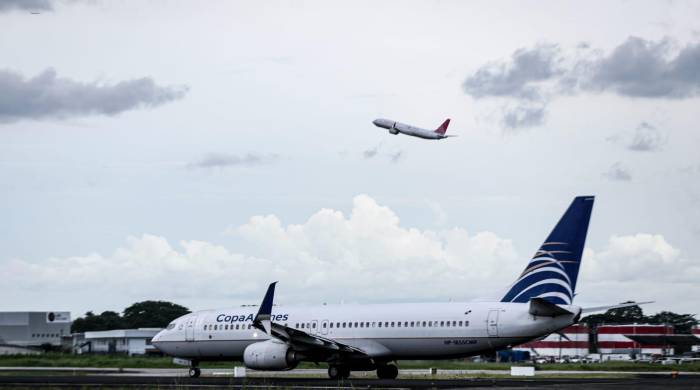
(398, 127)
(385, 331)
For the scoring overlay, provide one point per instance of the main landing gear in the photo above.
(338, 372)
(195, 372)
(388, 371)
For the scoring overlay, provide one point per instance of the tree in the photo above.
(91, 322)
(152, 314)
(682, 323)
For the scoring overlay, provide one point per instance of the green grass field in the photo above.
(121, 361)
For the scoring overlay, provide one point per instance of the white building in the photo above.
(575, 343)
(618, 339)
(128, 341)
(33, 328)
(696, 332)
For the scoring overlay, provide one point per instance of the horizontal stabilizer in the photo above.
(606, 308)
(543, 308)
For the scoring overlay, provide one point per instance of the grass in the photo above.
(122, 361)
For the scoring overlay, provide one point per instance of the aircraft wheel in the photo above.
(194, 372)
(387, 372)
(334, 372)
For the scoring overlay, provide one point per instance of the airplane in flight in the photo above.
(370, 337)
(398, 127)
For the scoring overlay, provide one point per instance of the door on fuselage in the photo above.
(492, 323)
(189, 328)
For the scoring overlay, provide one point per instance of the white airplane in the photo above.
(370, 337)
(398, 127)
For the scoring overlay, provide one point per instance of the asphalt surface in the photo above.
(128, 381)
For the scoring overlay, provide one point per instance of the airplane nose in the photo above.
(376, 122)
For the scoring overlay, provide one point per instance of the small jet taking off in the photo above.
(398, 127)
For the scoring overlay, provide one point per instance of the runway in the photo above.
(169, 382)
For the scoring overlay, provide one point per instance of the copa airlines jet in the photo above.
(398, 127)
(371, 337)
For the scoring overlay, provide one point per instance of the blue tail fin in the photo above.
(552, 272)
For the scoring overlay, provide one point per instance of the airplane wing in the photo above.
(606, 308)
(296, 337)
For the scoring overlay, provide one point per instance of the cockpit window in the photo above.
(171, 326)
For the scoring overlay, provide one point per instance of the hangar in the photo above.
(33, 328)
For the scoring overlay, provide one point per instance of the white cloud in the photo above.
(365, 256)
(641, 267)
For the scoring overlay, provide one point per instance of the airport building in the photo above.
(578, 343)
(696, 333)
(120, 341)
(22, 329)
(642, 339)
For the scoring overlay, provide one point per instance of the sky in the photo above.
(195, 152)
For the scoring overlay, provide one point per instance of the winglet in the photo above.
(262, 319)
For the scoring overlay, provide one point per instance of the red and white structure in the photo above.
(696, 333)
(556, 345)
(612, 339)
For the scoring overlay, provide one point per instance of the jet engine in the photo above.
(270, 355)
(393, 131)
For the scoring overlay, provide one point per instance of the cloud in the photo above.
(363, 256)
(640, 266)
(517, 77)
(220, 160)
(371, 152)
(533, 77)
(25, 5)
(646, 138)
(641, 68)
(618, 172)
(523, 116)
(49, 96)
(396, 157)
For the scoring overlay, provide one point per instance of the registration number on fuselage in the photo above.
(460, 342)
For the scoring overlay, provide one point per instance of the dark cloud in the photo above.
(25, 5)
(618, 172)
(47, 95)
(635, 68)
(515, 78)
(641, 68)
(646, 138)
(523, 116)
(219, 160)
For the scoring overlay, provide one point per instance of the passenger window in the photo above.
(454, 323)
(380, 324)
(236, 327)
(398, 324)
(460, 323)
(392, 324)
(405, 324)
(344, 324)
(324, 324)
(205, 326)
(374, 324)
(442, 323)
(337, 324)
(331, 324)
(362, 324)
(302, 326)
(356, 324)
(466, 323)
(412, 324)
(448, 323)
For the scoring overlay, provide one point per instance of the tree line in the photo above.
(682, 323)
(146, 314)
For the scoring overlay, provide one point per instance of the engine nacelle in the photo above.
(393, 131)
(269, 355)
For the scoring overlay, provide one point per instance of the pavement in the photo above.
(66, 378)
